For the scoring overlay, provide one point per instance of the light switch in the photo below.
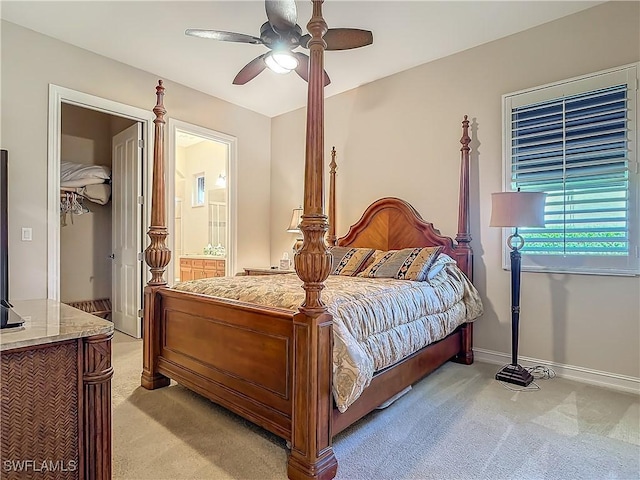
(27, 234)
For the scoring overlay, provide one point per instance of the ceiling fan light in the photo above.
(286, 60)
(281, 62)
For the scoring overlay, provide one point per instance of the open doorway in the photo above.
(100, 217)
(202, 218)
(96, 239)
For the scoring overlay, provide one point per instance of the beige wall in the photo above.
(30, 62)
(399, 136)
(180, 187)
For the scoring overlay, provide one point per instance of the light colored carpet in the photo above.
(458, 423)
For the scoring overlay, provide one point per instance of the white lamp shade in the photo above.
(517, 209)
(295, 221)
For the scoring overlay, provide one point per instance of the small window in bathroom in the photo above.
(198, 190)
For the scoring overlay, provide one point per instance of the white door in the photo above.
(126, 227)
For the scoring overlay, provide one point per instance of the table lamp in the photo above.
(294, 227)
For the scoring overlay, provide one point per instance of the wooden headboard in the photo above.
(393, 224)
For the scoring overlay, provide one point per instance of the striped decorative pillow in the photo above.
(349, 261)
(405, 264)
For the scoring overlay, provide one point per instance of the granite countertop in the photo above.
(202, 257)
(49, 321)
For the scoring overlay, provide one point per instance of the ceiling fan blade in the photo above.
(303, 68)
(282, 14)
(251, 70)
(303, 65)
(342, 38)
(221, 35)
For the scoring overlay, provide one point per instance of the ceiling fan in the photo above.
(281, 34)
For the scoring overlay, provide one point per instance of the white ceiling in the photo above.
(150, 35)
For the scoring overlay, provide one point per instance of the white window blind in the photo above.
(577, 141)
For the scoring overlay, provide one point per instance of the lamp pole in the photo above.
(516, 259)
(514, 373)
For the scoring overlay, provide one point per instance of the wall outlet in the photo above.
(27, 234)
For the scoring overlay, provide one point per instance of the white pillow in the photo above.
(75, 171)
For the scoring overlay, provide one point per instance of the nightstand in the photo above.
(265, 271)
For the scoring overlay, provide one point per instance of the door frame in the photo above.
(232, 191)
(57, 96)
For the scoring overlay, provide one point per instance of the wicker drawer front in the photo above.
(39, 413)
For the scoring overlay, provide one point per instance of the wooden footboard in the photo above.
(237, 355)
(241, 356)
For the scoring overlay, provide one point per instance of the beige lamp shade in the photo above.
(296, 218)
(517, 209)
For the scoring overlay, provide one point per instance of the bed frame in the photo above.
(268, 365)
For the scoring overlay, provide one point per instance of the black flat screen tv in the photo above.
(8, 318)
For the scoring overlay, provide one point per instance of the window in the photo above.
(198, 190)
(577, 141)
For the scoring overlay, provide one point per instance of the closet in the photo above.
(86, 208)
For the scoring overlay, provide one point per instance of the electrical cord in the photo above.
(533, 386)
(540, 372)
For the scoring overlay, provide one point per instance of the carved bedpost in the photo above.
(331, 238)
(463, 238)
(311, 454)
(157, 255)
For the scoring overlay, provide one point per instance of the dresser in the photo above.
(194, 267)
(55, 394)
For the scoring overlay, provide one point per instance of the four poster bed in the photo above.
(274, 365)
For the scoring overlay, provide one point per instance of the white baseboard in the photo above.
(571, 372)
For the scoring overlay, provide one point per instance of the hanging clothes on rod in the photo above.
(71, 203)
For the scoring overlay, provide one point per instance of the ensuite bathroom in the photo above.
(201, 214)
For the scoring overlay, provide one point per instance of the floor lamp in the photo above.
(513, 210)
